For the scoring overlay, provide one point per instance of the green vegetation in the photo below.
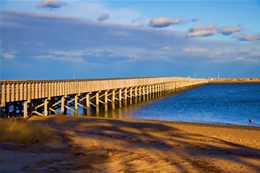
(22, 131)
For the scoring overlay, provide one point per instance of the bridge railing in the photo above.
(20, 90)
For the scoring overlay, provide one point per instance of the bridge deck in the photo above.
(44, 97)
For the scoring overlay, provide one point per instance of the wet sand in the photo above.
(123, 145)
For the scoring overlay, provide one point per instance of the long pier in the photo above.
(25, 98)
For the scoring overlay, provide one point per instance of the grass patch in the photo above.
(22, 131)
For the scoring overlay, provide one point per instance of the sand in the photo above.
(123, 145)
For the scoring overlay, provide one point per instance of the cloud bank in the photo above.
(51, 4)
(247, 37)
(200, 31)
(164, 22)
(97, 49)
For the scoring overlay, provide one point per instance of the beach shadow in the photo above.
(163, 146)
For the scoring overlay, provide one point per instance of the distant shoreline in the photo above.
(235, 80)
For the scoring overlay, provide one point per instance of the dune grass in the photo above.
(22, 131)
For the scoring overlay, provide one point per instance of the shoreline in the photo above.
(90, 144)
(234, 80)
(219, 125)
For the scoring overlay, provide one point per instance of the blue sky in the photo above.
(51, 39)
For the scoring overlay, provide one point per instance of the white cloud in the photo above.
(68, 53)
(164, 22)
(50, 4)
(195, 50)
(9, 55)
(167, 48)
(245, 51)
(247, 37)
(225, 52)
(103, 16)
(229, 30)
(250, 54)
(247, 59)
(200, 31)
(58, 58)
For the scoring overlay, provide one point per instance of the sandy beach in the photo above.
(123, 145)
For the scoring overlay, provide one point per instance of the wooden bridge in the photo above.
(45, 97)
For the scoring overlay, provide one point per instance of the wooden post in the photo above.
(159, 89)
(97, 102)
(131, 96)
(76, 105)
(32, 91)
(152, 91)
(40, 95)
(45, 107)
(120, 97)
(147, 92)
(36, 91)
(105, 101)
(113, 99)
(25, 107)
(21, 91)
(62, 105)
(12, 92)
(140, 94)
(136, 95)
(125, 97)
(7, 93)
(3, 95)
(17, 86)
(143, 93)
(87, 112)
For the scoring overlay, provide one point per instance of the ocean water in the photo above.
(232, 103)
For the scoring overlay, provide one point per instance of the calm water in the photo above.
(211, 103)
